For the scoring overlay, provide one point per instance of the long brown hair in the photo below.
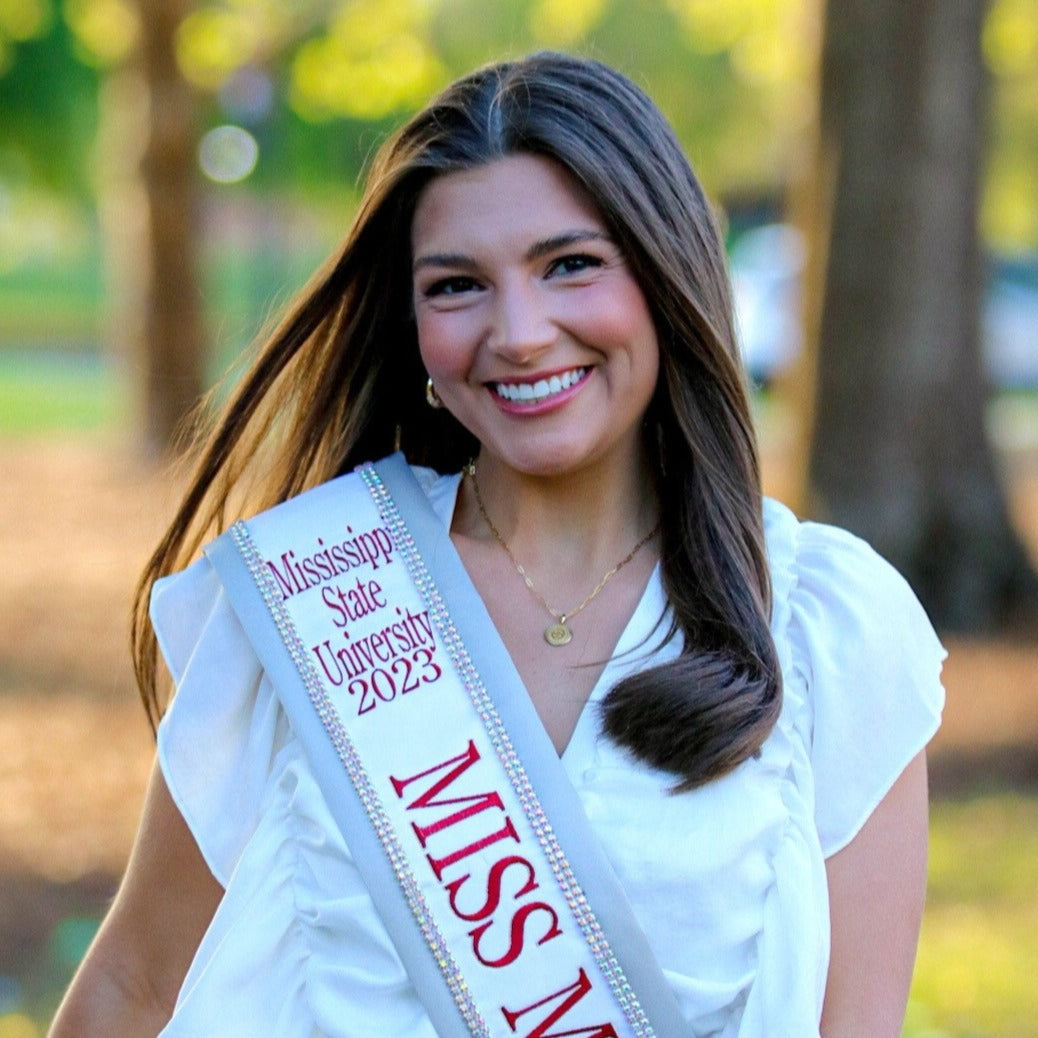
(340, 381)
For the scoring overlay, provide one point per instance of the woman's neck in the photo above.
(586, 519)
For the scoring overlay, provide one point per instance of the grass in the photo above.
(975, 971)
(43, 391)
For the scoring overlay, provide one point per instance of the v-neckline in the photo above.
(635, 630)
(625, 643)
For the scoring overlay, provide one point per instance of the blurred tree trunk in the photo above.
(149, 209)
(899, 451)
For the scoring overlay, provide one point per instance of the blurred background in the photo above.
(172, 172)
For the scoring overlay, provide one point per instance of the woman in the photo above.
(533, 302)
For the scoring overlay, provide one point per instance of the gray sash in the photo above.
(471, 839)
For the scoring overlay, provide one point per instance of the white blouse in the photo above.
(728, 882)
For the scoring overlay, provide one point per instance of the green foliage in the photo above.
(735, 78)
(341, 66)
(21, 20)
(48, 101)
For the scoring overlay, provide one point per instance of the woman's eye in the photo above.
(451, 286)
(573, 264)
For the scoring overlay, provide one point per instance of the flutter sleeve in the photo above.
(871, 663)
(219, 738)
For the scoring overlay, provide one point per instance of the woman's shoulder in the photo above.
(839, 603)
(787, 534)
(860, 654)
(846, 577)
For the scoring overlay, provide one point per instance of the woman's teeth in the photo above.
(529, 392)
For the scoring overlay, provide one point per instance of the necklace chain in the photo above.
(558, 633)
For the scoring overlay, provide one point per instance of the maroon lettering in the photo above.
(326, 661)
(297, 575)
(570, 996)
(435, 789)
(516, 935)
(458, 766)
(494, 884)
(439, 864)
(287, 587)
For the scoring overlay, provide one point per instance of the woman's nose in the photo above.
(521, 324)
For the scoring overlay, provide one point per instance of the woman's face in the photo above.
(531, 325)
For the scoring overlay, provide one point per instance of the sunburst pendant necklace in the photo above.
(559, 632)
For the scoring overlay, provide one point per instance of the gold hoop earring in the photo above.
(432, 398)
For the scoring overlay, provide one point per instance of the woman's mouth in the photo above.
(541, 390)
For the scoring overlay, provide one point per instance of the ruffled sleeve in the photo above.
(218, 740)
(871, 663)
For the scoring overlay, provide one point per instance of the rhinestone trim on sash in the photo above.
(583, 914)
(347, 754)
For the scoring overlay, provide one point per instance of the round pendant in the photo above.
(558, 635)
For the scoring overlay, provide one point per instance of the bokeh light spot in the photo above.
(375, 59)
(765, 59)
(212, 44)
(16, 1025)
(106, 30)
(24, 19)
(228, 154)
(564, 22)
(1011, 37)
(712, 27)
(330, 81)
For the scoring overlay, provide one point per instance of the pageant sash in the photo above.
(455, 806)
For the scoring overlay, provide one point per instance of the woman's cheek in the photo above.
(441, 343)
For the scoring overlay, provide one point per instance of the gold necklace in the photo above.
(558, 633)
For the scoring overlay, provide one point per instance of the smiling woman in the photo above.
(597, 741)
(530, 323)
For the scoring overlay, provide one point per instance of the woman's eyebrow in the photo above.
(564, 240)
(538, 250)
(443, 259)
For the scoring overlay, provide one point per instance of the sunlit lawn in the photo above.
(977, 972)
(43, 392)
